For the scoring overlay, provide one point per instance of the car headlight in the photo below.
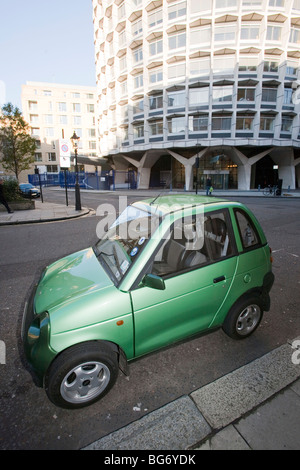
(39, 323)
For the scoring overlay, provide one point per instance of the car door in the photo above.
(195, 287)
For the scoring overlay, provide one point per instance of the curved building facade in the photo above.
(190, 88)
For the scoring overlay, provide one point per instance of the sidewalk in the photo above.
(43, 212)
(47, 212)
(254, 407)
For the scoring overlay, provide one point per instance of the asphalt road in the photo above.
(28, 420)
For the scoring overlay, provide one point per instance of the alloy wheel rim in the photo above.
(85, 382)
(248, 319)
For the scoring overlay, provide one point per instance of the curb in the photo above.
(190, 420)
(84, 212)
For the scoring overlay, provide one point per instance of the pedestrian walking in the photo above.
(208, 186)
(2, 198)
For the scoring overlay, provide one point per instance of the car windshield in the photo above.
(125, 240)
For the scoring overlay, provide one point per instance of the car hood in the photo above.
(70, 278)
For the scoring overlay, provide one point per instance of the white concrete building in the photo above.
(217, 79)
(53, 112)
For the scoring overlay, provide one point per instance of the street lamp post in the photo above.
(75, 140)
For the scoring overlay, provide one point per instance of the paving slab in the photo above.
(274, 425)
(177, 425)
(227, 438)
(235, 394)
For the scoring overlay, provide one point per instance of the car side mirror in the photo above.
(155, 282)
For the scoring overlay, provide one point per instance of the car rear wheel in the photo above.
(82, 375)
(244, 317)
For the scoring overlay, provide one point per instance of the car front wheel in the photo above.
(243, 318)
(82, 375)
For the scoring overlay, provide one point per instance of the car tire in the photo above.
(244, 317)
(81, 375)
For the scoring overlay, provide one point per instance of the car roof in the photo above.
(163, 205)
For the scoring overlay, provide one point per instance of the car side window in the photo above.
(199, 245)
(248, 233)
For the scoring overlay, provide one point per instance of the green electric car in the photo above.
(167, 269)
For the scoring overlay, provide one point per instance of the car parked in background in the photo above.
(167, 269)
(28, 190)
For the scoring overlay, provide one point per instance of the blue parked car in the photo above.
(28, 190)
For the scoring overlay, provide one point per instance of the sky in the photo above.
(45, 41)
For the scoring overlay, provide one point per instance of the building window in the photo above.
(269, 95)
(63, 119)
(176, 99)
(92, 145)
(32, 105)
(156, 128)
(137, 55)
(38, 157)
(198, 123)
(35, 131)
(276, 3)
(76, 108)
(138, 106)
(49, 132)
(199, 67)
(225, 33)
(176, 11)
(249, 33)
(198, 96)
(286, 124)
(266, 123)
(176, 125)
(52, 168)
(62, 107)
(47, 92)
(137, 27)
(273, 33)
(138, 131)
(51, 156)
(226, 3)
(77, 121)
(156, 102)
(197, 7)
(221, 123)
(176, 71)
(138, 81)
(270, 66)
(48, 118)
(122, 38)
(248, 64)
(177, 40)
(156, 47)
(246, 94)
(222, 93)
(251, 3)
(90, 108)
(244, 123)
(288, 96)
(91, 132)
(155, 18)
(155, 75)
(34, 118)
(200, 36)
(295, 35)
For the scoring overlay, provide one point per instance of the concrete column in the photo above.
(144, 168)
(284, 158)
(188, 166)
(244, 167)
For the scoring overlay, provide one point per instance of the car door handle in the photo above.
(219, 279)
